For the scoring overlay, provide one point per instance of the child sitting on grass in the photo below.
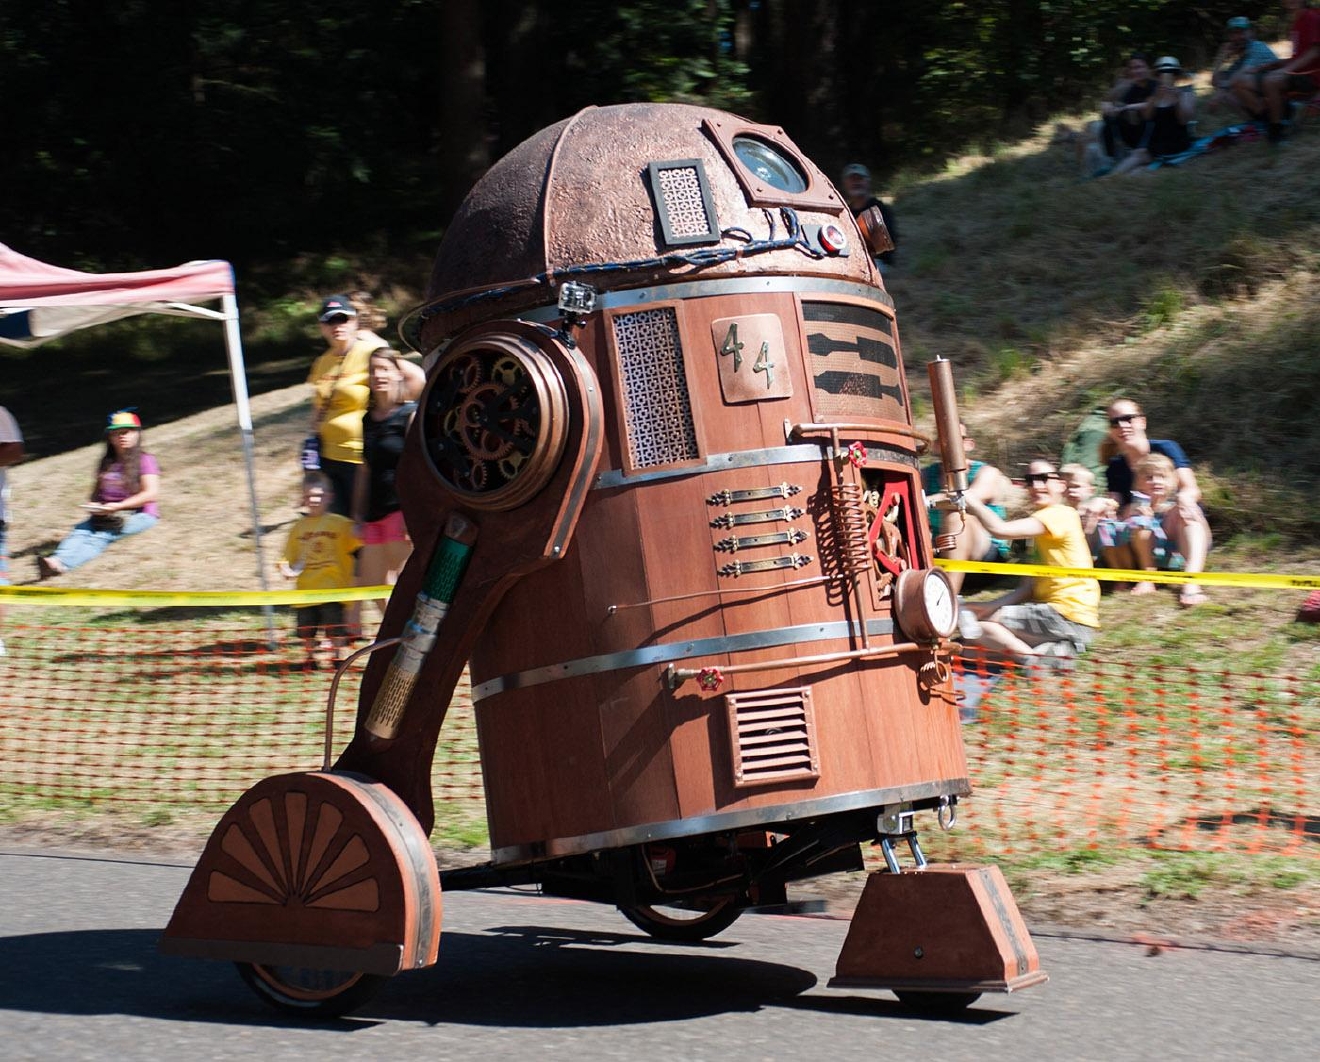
(1148, 536)
(1079, 491)
(319, 554)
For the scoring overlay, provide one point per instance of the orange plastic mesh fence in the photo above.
(176, 717)
(1106, 754)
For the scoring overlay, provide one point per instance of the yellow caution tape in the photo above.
(49, 595)
(1268, 580)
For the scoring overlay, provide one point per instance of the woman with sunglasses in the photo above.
(1048, 619)
(341, 387)
(1184, 523)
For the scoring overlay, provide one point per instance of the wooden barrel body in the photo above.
(721, 531)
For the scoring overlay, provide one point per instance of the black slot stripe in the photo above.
(840, 313)
(857, 384)
(866, 348)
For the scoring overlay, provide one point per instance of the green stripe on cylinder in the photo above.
(446, 571)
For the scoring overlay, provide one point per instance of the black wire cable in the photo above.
(794, 239)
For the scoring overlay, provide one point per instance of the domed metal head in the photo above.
(633, 195)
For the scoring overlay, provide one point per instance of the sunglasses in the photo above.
(1041, 477)
(1125, 418)
(338, 318)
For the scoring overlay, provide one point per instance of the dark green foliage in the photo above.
(148, 131)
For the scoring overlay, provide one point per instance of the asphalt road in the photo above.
(526, 977)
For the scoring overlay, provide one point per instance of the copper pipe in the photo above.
(677, 676)
(791, 430)
(953, 457)
(334, 692)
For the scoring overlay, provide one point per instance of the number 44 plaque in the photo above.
(750, 351)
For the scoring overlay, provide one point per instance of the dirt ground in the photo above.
(1106, 903)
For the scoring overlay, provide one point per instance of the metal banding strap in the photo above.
(698, 825)
(697, 289)
(777, 455)
(664, 654)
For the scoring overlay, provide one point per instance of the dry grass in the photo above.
(204, 540)
(1192, 289)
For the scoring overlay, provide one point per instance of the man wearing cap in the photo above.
(339, 377)
(1240, 53)
(1264, 91)
(855, 183)
(11, 452)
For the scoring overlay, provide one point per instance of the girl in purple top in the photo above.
(123, 500)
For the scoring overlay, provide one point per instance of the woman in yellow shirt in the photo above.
(341, 391)
(1048, 618)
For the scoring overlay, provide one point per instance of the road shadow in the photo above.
(510, 976)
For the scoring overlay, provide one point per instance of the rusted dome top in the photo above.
(622, 186)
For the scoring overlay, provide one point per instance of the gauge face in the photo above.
(941, 604)
(769, 164)
(925, 605)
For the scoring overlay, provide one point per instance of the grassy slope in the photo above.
(1194, 290)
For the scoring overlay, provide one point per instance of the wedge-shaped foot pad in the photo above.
(315, 870)
(943, 928)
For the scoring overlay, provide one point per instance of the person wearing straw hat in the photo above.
(123, 499)
(1167, 112)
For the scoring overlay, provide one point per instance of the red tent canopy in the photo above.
(39, 301)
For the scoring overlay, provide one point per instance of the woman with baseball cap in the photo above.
(341, 388)
(123, 499)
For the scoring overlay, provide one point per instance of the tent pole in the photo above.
(238, 377)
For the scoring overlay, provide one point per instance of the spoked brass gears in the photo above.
(495, 417)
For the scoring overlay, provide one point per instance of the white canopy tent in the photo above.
(40, 302)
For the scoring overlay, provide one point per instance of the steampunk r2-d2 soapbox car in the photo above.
(662, 485)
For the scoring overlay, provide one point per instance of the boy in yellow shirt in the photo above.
(319, 554)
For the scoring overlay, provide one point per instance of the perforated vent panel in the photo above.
(854, 362)
(683, 202)
(773, 736)
(657, 408)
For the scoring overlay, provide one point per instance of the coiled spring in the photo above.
(851, 528)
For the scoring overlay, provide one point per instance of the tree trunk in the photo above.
(462, 148)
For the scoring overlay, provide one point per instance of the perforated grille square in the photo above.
(773, 736)
(657, 408)
(683, 202)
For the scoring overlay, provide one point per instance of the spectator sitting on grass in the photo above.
(1047, 619)
(1079, 490)
(123, 500)
(1263, 91)
(971, 541)
(1240, 54)
(1167, 112)
(1149, 544)
(1122, 127)
(1184, 524)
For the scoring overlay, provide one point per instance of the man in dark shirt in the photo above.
(1121, 109)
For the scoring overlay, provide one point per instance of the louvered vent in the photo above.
(773, 736)
(657, 409)
(683, 203)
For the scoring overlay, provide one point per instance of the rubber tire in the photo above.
(330, 1002)
(936, 1002)
(654, 922)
